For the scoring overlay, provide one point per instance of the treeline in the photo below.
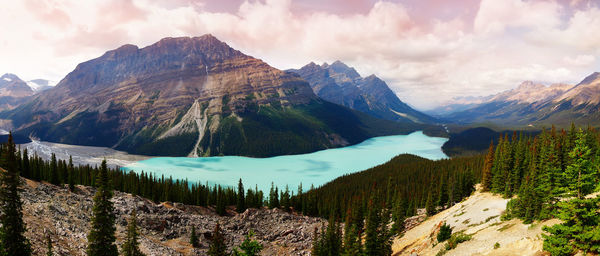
(157, 189)
(101, 239)
(552, 174)
(367, 202)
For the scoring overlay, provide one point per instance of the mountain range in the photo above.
(14, 91)
(191, 97)
(342, 85)
(531, 104)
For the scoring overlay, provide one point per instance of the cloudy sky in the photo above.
(427, 50)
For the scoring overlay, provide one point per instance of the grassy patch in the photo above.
(467, 221)
(458, 214)
(456, 239)
(505, 227)
(496, 245)
(491, 218)
(486, 209)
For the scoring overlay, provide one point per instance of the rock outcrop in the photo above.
(164, 228)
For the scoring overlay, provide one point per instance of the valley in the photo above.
(300, 127)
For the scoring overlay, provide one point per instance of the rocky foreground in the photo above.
(164, 228)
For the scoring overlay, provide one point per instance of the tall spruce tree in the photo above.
(12, 233)
(131, 246)
(241, 200)
(71, 174)
(101, 239)
(194, 238)
(54, 178)
(486, 179)
(49, 246)
(217, 245)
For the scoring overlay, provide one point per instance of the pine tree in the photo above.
(54, 179)
(486, 179)
(101, 239)
(241, 200)
(352, 243)
(248, 247)
(12, 232)
(131, 245)
(580, 175)
(194, 238)
(49, 246)
(429, 206)
(71, 178)
(217, 245)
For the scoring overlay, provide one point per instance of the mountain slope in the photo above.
(13, 91)
(478, 216)
(342, 85)
(190, 96)
(536, 104)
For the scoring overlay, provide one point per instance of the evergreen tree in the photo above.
(194, 238)
(12, 231)
(579, 231)
(217, 245)
(486, 179)
(352, 243)
(131, 245)
(54, 179)
(445, 233)
(581, 176)
(49, 246)
(241, 200)
(248, 247)
(71, 178)
(429, 206)
(285, 199)
(101, 239)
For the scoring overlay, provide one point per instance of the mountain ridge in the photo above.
(191, 96)
(341, 84)
(534, 104)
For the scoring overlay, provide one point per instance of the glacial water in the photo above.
(314, 168)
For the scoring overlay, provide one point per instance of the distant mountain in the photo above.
(342, 85)
(13, 91)
(38, 85)
(191, 96)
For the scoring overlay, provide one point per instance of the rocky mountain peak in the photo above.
(341, 68)
(591, 78)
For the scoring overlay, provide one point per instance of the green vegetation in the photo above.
(248, 247)
(194, 238)
(445, 233)
(217, 245)
(131, 245)
(12, 231)
(552, 174)
(456, 239)
(101, 239)
(367, 199)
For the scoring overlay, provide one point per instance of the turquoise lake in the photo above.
(315, 168)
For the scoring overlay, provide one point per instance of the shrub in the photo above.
(445, 233)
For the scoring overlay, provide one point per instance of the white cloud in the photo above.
(505, 43)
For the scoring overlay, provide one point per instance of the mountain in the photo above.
(13, 91)
(191, 96)
(537, 104)
(38, 85)
(341, 84)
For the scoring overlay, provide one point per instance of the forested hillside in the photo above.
(553, 176)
